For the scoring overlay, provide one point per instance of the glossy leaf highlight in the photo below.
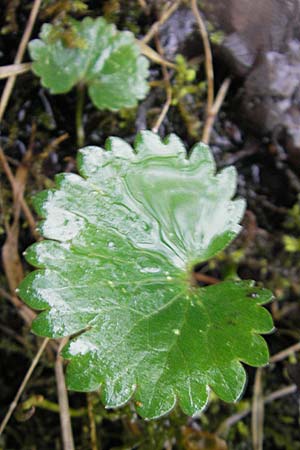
(122, 240)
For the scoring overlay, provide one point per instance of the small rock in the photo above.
(236, 53)
(178, 34)
(274, 76)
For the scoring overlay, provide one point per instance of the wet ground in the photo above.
(267, 157)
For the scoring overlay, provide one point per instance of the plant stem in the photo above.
(39, 401)
(79, 115)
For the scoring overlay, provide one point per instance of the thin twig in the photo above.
(19, 56)
(79, 115)
(23, 385)
(25, 208)
(14, 69)
(5, 294)
(210, 119)
(198, 276)
(276, 395)
(208, 57)
(27, 314)
(53, 145)
(285, 353)
(212, 107)
(144, 6)
(10, 251)
(65, 420)
(168, 88)
(257, 419)
(167, 12)
(164, 112)
(6, 168)
(93, 432)
(287, 390)
(153, 55)
(10, 332)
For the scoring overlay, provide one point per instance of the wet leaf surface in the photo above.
(95, 54)
(123, 238)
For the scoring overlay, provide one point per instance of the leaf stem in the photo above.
(79, 114)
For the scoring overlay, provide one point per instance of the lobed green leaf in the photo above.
(116, 271)
(108, 61)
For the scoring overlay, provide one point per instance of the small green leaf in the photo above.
(106, 60)
(122, 240)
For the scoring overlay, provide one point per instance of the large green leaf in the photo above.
(106, 60)
(123, 239)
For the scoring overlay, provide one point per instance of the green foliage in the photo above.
(216, 36)
(93, 53)
(184, 80)
(291, 244)
(116, 271)
(187, 94)
(292, 221)
(60, 9)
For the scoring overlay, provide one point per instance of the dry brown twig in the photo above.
(14, 69)
(15, 188)
(167, 12)
(285, 353)
(210, 119)
(202, 277)
(212, 106)
(168, 89)
(153, 55)
(14, 403)
(257, 418)
(65, 420)
(144, 6)
(19, 56)
(276, 395)
(10, 253)
(53, 145)
(208, 56)
(93, 432)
